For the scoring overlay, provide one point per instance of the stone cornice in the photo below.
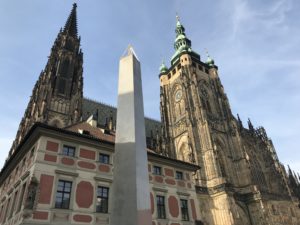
(67, 173)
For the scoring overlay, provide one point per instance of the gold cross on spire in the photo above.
(177, 17)
(206, 52)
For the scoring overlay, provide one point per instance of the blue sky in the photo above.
(255, 44)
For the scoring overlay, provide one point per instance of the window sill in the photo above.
(102, 213)
(62, 210)
(72, 157)
(160, 175)
(162, 220)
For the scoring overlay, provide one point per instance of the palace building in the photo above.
(205, 167)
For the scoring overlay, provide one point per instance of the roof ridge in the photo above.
(106, 104)
(99, 102)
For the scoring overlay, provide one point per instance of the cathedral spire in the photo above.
(71, 24)
(182, 44)
(210, 61)
(57, 95)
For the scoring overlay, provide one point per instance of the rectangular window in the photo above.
(7, 208)
(156, 170)
(102, 199)
(17, 170)
(179, 175)
(24, 162)
(21, 197)
(1, 212)
(161, 210)
(63, 194)
(184, 209)
(292, 212)
(31, 152)
(13, 204)
(68, 150)
(103, 158)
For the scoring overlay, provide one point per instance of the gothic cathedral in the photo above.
(57, 95)
(204, 166)
(240, 176)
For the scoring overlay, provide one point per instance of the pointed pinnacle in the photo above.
(71, 24)
(177, 20)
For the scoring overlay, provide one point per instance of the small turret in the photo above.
(209, 61)
(93, 119)
(295, 177)
(250, 126)
(240, 123)
(163, 69)
(111, 122)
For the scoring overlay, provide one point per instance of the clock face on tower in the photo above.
(178, 95)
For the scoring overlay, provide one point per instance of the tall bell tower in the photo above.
(194, 108)
(57, 95)
(199, 127)
(197, 119)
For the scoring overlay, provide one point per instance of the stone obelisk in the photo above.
(130, 188)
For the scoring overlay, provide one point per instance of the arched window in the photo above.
(69, 45)
(185, 153)
(208, 106)
(179, 102)
(257, 174)
(204, 95)
(219, 158)
(61, 86)
(64, 70)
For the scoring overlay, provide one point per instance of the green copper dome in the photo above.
(182, 44)
(163, 68)
(179, 37)
(209, 60)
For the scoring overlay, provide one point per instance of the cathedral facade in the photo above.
(204, 166)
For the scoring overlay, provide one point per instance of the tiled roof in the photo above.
(93, 131)
(96, 132)
(105, 111)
